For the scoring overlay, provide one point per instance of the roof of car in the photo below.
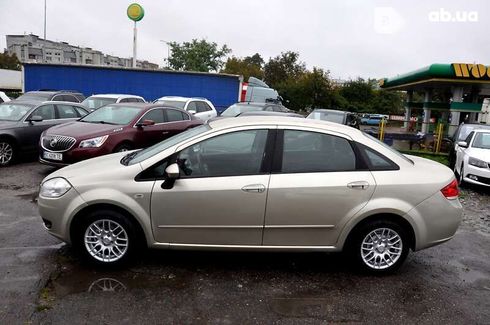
(115, 95)
(180, 98)
(280, 120)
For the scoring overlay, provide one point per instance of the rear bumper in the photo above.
(436, 220)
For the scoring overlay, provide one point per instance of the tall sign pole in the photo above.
(44, 19)
(135, 12)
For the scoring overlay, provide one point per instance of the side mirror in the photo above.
(145, 123)
(192, 111)
(35, 118)
(172, 171)
(463, 144)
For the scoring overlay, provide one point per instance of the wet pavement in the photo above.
(42, 282)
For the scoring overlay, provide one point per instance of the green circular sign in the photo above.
(135, 12)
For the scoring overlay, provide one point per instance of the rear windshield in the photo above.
(237, 109)
(396, 152)
(96, 102)
(327, 116)
(172, 103)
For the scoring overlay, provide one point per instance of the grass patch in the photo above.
(439, 157)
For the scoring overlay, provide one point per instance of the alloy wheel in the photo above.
(6, 153)
(106, 240)
(381, 248)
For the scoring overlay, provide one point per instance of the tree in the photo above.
(197, 55)
(249, 66)
(282, 68)
(9, 61)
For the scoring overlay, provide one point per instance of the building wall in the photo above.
(221, 90)
(30, 48)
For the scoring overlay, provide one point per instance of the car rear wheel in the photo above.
(379, 246)
(7, 153)
(107, 238)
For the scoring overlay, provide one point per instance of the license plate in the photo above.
(52, 155)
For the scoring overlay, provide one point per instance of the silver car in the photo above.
(255, 183)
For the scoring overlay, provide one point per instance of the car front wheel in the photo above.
(380, 246)
(107, 238)
(7, 153)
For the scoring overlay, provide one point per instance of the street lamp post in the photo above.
(168, 50)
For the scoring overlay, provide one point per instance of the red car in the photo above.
(112, 128)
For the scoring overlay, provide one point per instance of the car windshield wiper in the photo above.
(101, 122)
(126, 159)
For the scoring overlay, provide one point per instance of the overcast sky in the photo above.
(350, 38)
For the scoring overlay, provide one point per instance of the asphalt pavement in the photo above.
(42, 282)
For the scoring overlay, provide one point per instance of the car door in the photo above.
(32, 130)
(151, 134)
(205, 111)
(221, 194)
(176, 121)
(317, 184)
(460, 153)
(192, 109)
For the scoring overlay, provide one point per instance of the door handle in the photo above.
(359, 185)
(165, 132)
(254, 188)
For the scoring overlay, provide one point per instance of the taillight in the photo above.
(451, 190)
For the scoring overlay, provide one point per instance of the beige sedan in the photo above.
(255, 183)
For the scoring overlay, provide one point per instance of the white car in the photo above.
(199, 107)
(96, 101)
(473, 158)
(4, 98)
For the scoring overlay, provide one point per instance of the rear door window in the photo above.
(66, 111)
(174, 115)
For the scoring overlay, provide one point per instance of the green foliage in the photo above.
(9, 61)
(249, 66)
(283, 68)
(197, 55)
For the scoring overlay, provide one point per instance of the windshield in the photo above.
(118, 115)
(35, 96)
(96, 102)
(399, 154)
(13, 112)
(482, 140)
(144, 154)
(237, 109)
(171, 103)
(335, 117)
(466, 130)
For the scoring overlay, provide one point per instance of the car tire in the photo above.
(123, 147)
(107, 238)
(461, 181)
(379, 247)
(8, 152)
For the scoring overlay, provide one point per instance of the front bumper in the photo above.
(74, 155)
(57, 213)
(476, 175)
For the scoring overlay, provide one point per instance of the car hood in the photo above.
(4, 125)
(479, 153)
(96, 170)
(83, 130)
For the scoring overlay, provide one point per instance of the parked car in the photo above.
(257, 91)
(336, 116)
(240, 108)
(255, 183)
(52, 95)
(22, 122)
(199, 107)
(461, 134)
(372, 119)
(95, 101)
(3, 97)
(473, 158)
(112, 128)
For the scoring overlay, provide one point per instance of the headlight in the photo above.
(54, 187)
(94, 142)
(477, 163)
